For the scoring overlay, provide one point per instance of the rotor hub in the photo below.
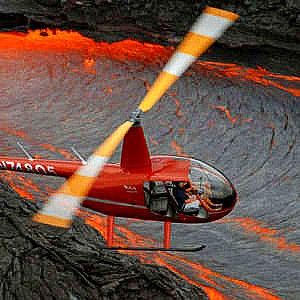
(136, 116)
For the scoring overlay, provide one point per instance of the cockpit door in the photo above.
(158, 198)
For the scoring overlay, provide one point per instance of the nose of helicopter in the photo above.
(215, 190)
(219, 190)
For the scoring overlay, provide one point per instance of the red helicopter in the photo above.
(166, 188)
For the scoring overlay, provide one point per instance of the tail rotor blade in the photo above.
(206, 30)
(62, 205)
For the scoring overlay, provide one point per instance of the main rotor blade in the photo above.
(206, 30)
(61, 207)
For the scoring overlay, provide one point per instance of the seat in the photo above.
(159, 197)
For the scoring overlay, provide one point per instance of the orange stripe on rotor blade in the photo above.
(160, 86)
(221, 13)
(77, 186)
(111, 143)
(195, 44)
(53, 221)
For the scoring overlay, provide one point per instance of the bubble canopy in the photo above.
(211, 185)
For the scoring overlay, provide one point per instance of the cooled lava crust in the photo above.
(59, 90)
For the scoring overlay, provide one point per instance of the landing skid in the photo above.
(195, 249)
(166, 247)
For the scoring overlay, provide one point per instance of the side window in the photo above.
(158, 188)
(156, 196)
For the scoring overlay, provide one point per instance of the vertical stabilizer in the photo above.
(135, 154)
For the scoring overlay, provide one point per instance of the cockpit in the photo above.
(211, 185)
(204, 192)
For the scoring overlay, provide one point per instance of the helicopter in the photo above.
(166, 188)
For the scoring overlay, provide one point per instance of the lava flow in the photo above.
(130, 50)
(266, 234)
(79, 59)
(192, 272)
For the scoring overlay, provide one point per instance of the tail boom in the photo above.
(57, 168)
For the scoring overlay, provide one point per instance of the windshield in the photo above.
(210, 183)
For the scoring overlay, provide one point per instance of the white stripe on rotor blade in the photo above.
(61, 206)
(211, 26)
(93, 167)
(178, 63)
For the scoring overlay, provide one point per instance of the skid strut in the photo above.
(167, 240)
(110, 231)
(167, 234)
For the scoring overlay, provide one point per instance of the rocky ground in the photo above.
(272, 23)
(246, 125)
(39, 262)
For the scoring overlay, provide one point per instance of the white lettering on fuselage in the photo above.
(130, 188)
(27, 167)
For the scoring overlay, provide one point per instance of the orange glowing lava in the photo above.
(63, 152)
(22, 134)
(175, 146)
(193, 271)
(17, 133)
(153, 141)
(211, 282)
(265, 234)
(178, 112)
(10, 179)
(145, 53)
(227, 113)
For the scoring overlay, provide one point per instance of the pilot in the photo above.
(186, 196)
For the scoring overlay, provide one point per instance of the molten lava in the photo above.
(265, 234)
(63, 152)
(214, 284)
(192, 272)
(146, 53)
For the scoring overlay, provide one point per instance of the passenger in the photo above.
(207, 195)
(192, 202)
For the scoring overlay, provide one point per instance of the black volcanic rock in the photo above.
(41, 262)
(274, 23)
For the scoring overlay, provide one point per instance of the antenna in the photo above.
(78, 155)
(24, 151)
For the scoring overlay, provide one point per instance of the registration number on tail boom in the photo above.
(27, 167)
